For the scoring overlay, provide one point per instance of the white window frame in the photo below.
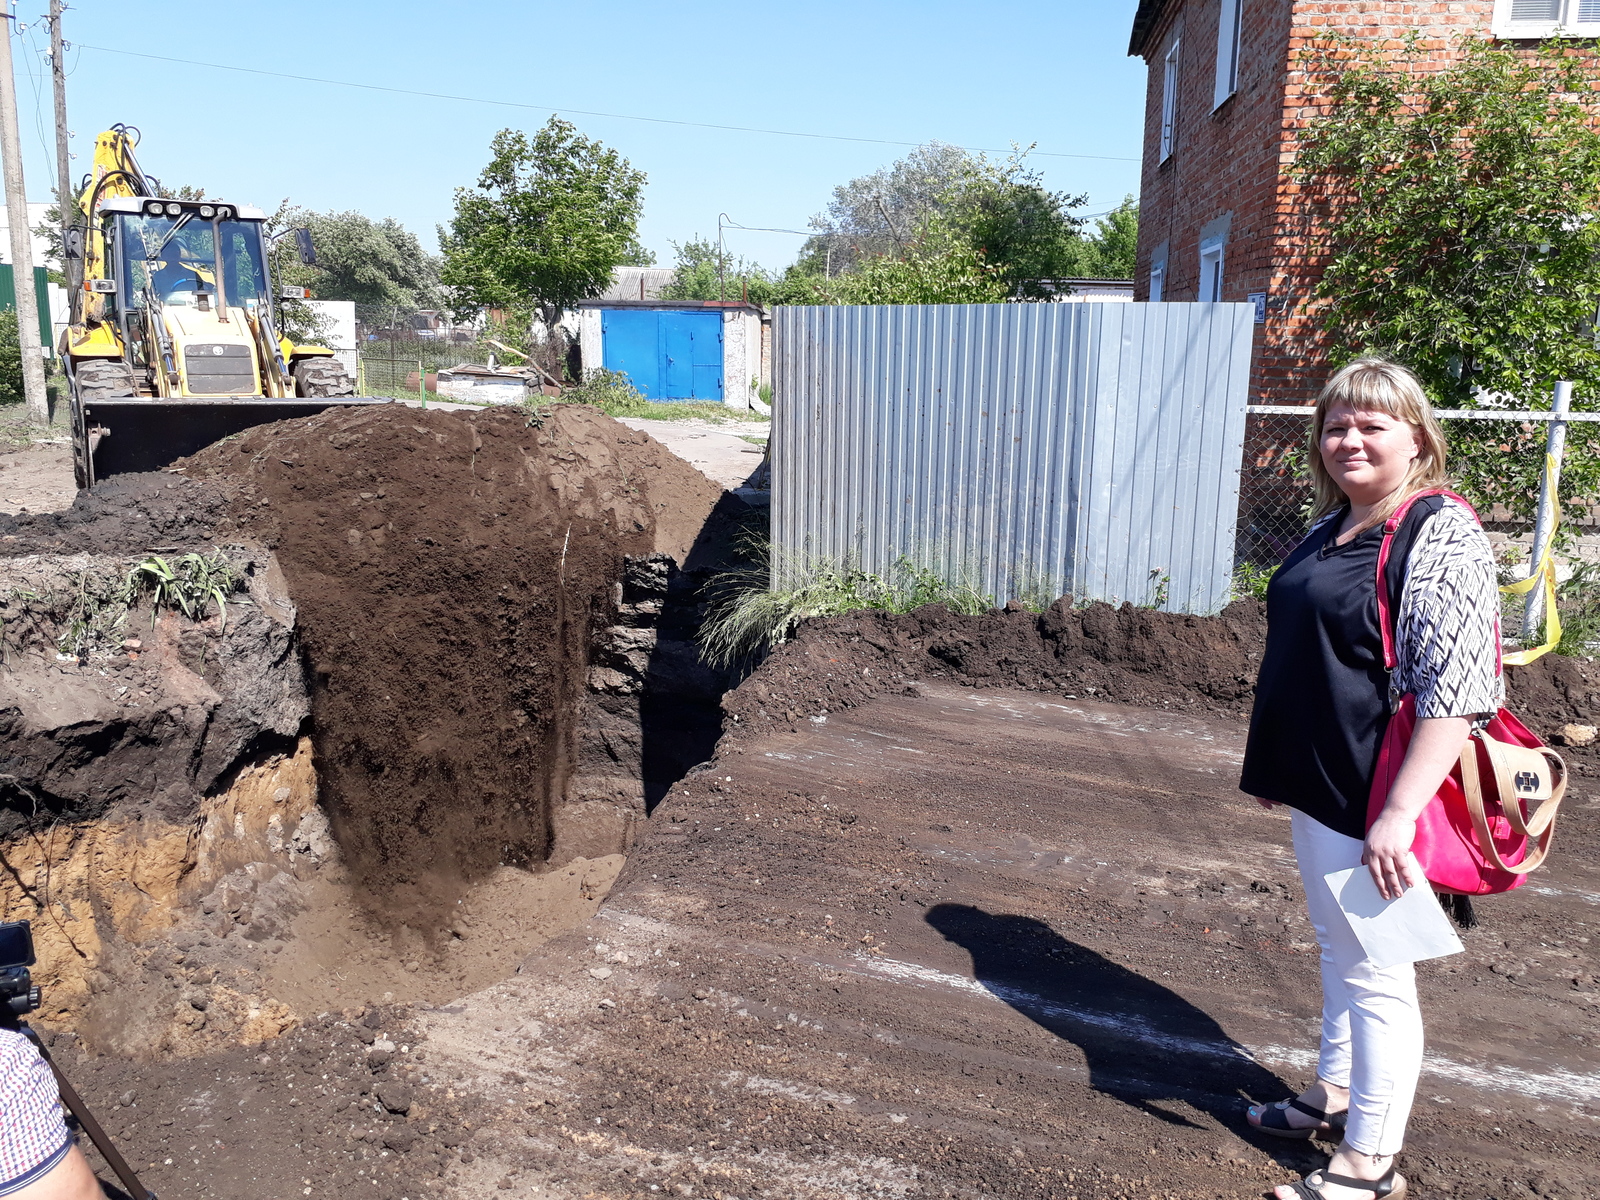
(1567, 25)
(1169, 100)
(1230, 28)
(1210, 288)
(1158, 279)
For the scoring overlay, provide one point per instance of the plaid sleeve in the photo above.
(33, 1135)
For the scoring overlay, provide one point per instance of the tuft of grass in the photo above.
(748, 617)
(613, 393)
(1578, 602)
(188, 583)
(1250, 581)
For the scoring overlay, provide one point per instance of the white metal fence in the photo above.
(1090, 450)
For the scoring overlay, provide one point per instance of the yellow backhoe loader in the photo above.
(174, 340)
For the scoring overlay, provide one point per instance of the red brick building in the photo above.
(1216, 208)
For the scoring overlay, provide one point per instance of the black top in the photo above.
(1322, 699)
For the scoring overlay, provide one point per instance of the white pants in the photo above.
(1371, 1024)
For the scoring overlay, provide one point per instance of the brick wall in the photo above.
(1229, 164)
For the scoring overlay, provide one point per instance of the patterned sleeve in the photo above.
(1447, 635)
(33, 1135)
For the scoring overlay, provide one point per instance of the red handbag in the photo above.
(1475, 837)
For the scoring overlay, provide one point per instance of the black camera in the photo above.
(18, 995)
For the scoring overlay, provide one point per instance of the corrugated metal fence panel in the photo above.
(1090, 449)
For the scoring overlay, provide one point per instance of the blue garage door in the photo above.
(669, 355)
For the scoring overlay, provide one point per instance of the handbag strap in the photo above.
(1544, 816)
(1386, 617)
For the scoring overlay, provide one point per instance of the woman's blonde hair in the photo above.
(1378, 385)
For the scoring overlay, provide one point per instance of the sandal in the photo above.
(1275, 1121)
(1388, 1187)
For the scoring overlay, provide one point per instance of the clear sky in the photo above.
(981, 76)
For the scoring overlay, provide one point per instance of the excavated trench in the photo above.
(414, 746)
(310, 884)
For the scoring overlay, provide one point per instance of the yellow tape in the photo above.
(1546, 570)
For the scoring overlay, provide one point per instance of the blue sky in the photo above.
(981, 76)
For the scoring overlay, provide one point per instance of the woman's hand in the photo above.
(1435, 746)
(1387, 854)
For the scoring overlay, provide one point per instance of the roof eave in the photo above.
(1144, 23)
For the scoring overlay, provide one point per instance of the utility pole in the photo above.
(64, 191)
(21, 237)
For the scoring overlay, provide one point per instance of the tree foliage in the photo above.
(940, 265)
(997, 215)
(1022, 229)
(705, 272)
(874, 214)
(1454, 210)
(550, 217)
(1109, 252)
(10, 359)
(380, 265)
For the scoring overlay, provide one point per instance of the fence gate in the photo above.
(1029, 450)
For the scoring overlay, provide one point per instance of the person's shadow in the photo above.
(1144, 1043)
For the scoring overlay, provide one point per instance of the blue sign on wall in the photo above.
(668, 354)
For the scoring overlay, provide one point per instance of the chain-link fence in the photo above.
(401, 353)
(1499, 463)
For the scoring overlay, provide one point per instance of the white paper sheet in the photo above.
(1392, 932)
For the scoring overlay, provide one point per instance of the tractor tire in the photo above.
(105, 379)
(322, 378)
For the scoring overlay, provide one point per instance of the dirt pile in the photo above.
(150, 711)
(1126, 655)
(451, 572)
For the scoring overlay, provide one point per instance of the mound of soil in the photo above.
(1126, 655)
(127, 514)
(450, 570)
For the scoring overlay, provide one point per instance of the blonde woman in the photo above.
(1321, 708)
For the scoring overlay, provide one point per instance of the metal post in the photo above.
(21, 234)
(422, 384)
(1549, 497)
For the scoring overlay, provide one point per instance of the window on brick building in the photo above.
(1211, 270)
(1544, 18)
(1169, 101)
(1229, 27)
(1158, 277)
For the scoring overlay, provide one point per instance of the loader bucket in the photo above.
(116, 437)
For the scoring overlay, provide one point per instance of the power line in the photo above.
(826, 233)
(582, 112)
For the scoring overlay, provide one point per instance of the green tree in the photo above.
(380, 265)
(550, 217)
(940, 265)
(1023, 230)
(1454, 212)
(637, 256)
(1109, 252)
(876, 214)
(703, 272)
(10, 359)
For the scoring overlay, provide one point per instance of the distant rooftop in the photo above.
(638, 283)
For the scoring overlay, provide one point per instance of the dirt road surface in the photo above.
(973, 942)
(37, 478)
(719, 452)
(983, 943)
